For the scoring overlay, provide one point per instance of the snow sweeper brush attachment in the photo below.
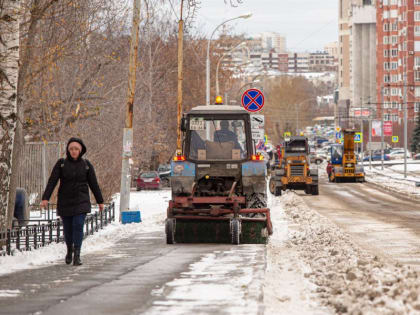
(216, 220)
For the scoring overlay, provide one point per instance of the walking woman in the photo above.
(73, 202)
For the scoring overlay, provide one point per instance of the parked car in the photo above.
(377, 156)
(148, 180)
(398, 154)
(164, 171)
(416, 156)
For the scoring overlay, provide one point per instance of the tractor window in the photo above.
(336, 153)
(213, 139)
(296, 146)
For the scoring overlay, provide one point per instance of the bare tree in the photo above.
(9, 69)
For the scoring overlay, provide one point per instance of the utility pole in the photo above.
(180, 78)
(405, 122)
(382, 128)
(370, 136)
(127, 151)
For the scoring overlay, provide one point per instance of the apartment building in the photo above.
(321, 61)
(298, 62)
(398, 66)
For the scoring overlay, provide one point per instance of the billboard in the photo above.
(376, 128)
(387, 128)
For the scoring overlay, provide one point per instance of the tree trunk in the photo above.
(9, 70)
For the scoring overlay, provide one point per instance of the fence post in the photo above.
(35, 237)
(91, 224)
(8, 242)
(50, 231)
(58, 231)
(106, 217)
(27, 246)
(102, 220)
(19, 231)
(43, 235)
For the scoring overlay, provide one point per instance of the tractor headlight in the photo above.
(289, 161)
(349, 165)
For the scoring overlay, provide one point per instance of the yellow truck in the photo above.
(343, 162)
(293, 168)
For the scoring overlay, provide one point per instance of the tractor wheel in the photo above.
(170, 231)
(277, 191)
(272, 185)
(315, 190)
(235, 228)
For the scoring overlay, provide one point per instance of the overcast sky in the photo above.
(307, 24)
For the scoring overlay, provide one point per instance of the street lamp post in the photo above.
(218, 64)
(245, 16)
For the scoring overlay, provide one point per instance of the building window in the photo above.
(394, 65)
(417, 2)
(395, 91)
(386, 78)
(386, 2)
(386, 91)
(386, 65)
(394, 78)
(417, 91)
(394, 2)
(394, 117)
(393, 13)
(416, 15)
(417, 76)
(394, 39)
(394, 104)
(395, 26)
(417, 105)
(386, 40)
(394, 52)
(386, 14)
(386, 27)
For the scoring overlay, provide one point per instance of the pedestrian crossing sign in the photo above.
(395, 139)
(358, 137)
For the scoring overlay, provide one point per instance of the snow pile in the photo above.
(285, 287)
(347, 278)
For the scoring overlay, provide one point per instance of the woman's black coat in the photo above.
(75, 176)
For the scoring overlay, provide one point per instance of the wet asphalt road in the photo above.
(380, 221)
(143, 275)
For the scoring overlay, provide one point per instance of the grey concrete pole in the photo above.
(127, 151)
(382, 127)
(405, 125)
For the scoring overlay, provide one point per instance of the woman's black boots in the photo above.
(69, 256)
(76, 258)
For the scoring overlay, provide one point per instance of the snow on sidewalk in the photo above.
(391, 179)
(152, 205)
(347, 278)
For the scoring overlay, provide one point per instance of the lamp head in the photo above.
(246, 16)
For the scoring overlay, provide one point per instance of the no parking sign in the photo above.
(253, 100)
